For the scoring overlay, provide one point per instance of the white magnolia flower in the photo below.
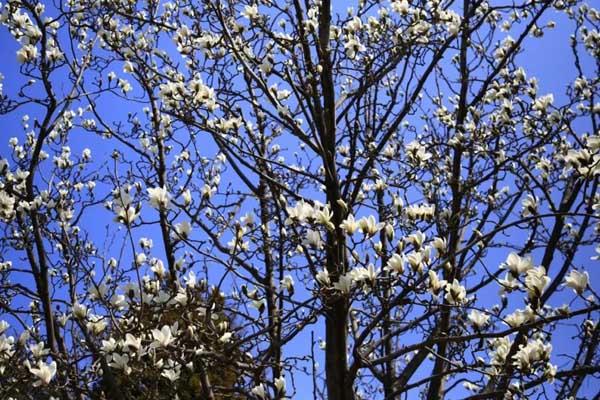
(191, 280)
(162, 337)
(353, 46)
(183, 229)
(7, 343)
(140, 258)
(159, 268)
(344, 283)
(350, 225)
(541, 103)
(98, 292)
(79, 311)
(324, 217)
(202, 94)
(172, 374)
(368, 226)
(501, 348)
(109, 346)
(7, 205)
(86, 154)
(417, 239)
(3, 326)
(180, 298)
(300, 212)
(125, 86)
(455, 293)
(401, 6)
(509, 283)
(208, 191)
(266, 66)
(280, 385)
(44, 372)
(516, 264)
(520, 317)
(536, 281)
(389, 232)
(121, 362)
(478, 319)
(417, 153)
(247, 219)
(159, 198)
(532, 352)
(38, 350)
(259, 391)
(421, 211)
(187, 197)
(577, 281)
(132, 343)
(435, 284)
(415, 260)
(226, 337)
(250, 12)
(323, 277)
(395, 264)
(6, 265)
(118, 301)
(530, 206)
(313, 239)
(126, 216)
(27, 53)
(354, 25)
(128, 67)
(362, 274)
(440, 244)
(146, 243)
(550, 372)
(96, 324)
(288, 283)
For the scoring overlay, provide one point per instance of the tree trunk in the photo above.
(336, 363)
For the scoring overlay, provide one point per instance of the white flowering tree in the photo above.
(295, 199)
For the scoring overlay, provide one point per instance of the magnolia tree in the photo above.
(298, 199)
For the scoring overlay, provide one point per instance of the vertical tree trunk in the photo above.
(436, 387)
(338, 387)
(389, 371)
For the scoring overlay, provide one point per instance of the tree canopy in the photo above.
(274, 199)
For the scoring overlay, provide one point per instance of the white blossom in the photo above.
(516, 264)
(478, 319)
(162, 337)
(313, 239)
(121, 361)
(536, 281)
(159, 198)
(455, 293)
(395, 264)
(259, 391)
(578, 281)
(435, 283)
(44, 372)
